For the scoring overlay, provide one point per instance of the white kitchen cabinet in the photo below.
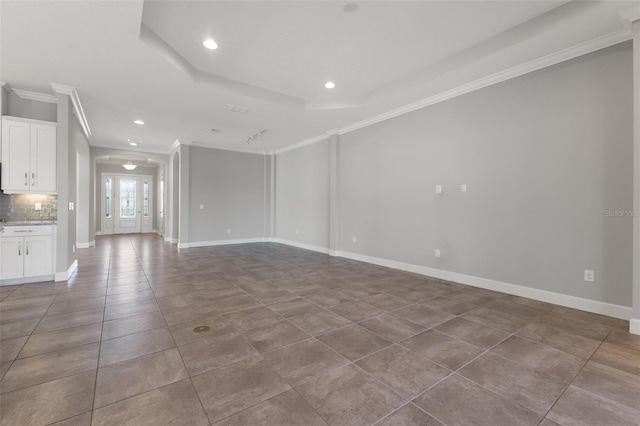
(26, 251)
(11, 259)
(28, 156)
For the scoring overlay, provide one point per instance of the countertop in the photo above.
(28, 223)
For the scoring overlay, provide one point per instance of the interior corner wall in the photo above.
(83, 185)
(75, 136)
(302, 195)
(4, 96)
(547, 160)
(66, 185)
(230, 187)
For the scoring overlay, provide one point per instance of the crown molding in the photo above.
(147, 150)
(306, 142)
(174, 146)
(75, 100)
(35, 96)
(631, 14)
(581, 49)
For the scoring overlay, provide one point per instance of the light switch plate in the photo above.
(38, 206)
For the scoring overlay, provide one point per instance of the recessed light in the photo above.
(329, 85)
(210, 44)
(350, 7)
(139, 122)
(133, 144)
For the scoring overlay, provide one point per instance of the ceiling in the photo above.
(133, 60)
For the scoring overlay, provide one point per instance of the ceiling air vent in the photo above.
(237, 109)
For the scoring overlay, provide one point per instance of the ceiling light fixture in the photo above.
(130, 165)
(133, 144)
(140, 122)
(329, 85)
(210, 44)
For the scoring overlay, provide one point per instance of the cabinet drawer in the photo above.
(24, 231)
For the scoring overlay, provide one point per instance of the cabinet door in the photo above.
(42, 173)
(38, 256)
(11, 256)
(15, 155)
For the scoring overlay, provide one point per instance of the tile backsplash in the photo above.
(23, 207)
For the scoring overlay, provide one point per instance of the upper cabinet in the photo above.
(28, 156)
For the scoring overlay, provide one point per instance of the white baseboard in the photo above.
(588, 305)
(594, 306)
(634, 326)
(301, 245)
(92, 243)
(64, 275)
(222, 242)
(16, 281)
(83, 245)
(170, 240)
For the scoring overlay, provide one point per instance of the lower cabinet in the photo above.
(26, 252)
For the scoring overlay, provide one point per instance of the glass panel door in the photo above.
(147, 206)
(108, 204)
(128, 205)
(128, 190)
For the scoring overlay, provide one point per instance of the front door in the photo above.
(126, 204)
(128, 208)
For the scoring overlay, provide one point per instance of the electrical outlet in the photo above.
(201, 206)
(437, 254)
(438, 189)
(38, 206)
(228, 230)
(354, 239)
(463, 187)
(589, 276)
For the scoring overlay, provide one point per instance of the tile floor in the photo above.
(298, 338)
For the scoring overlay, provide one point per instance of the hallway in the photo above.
(292, 337)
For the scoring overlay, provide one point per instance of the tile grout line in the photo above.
(95, 383)
(30, 334)
(189, 377)
(577, 374)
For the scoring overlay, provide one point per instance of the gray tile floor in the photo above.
(298, 338)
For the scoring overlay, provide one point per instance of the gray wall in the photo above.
(83, 188)
(4, 108)
(4, 98)
(302, 195)
(26, 108)
(66, 184)
(544, 156)
(230, 185)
